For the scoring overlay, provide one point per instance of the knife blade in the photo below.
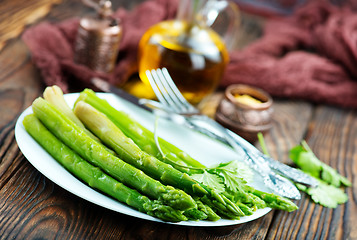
(109, 88)
(292, 173)
(146, 104)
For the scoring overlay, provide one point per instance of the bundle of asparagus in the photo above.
(113, 153)
(94, 176)
(145, 139)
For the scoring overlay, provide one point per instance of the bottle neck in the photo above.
(188, 10)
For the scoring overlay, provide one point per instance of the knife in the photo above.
(109, 88)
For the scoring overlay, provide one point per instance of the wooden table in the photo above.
(33, 207)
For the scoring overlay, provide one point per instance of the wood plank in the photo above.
(332, 136)
(290, 124)
(334, 141)
(15, 15)
(35, 208)
(19, 84)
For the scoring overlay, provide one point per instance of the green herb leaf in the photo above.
(232, 181)
(211, 180)
(236, 169)
(325, 194)
(306, 160)
(235, 174)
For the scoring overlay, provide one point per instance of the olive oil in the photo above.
(195, 56)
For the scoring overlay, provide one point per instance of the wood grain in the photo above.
(290, 122)
(17, 14)
(333, 139)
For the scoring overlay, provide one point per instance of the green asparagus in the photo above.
(94, 177)
(54, 95)
(211, 215)
(127, 150)
(195, 214)
(140, 135)
(92, 151)
(272, 200)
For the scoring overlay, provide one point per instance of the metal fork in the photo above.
(173, 103)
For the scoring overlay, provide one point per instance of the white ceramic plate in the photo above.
(202, 148)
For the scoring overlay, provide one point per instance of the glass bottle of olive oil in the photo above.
(194, 54)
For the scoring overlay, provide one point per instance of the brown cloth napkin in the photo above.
(52, 45)
(310, 55)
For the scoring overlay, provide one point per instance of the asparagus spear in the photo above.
(195, 214)
(92, 151)
(140, 135)
(127, 150)
(272, 200)
(211, 215)
(54, 95)
(94, 177)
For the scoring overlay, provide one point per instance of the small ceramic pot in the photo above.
(245, 119)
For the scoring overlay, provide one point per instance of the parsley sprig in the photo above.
(328, 193)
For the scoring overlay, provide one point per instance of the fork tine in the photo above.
(156, 81)
(167, 92)
(176, 92)
(164, 96)
(154, 86)
(167, 83)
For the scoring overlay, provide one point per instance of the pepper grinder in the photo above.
(98, 38)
